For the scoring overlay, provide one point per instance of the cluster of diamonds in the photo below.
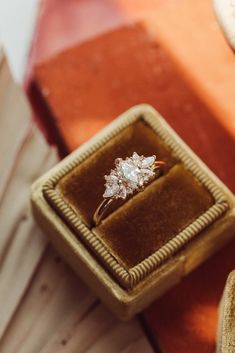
(129, 175)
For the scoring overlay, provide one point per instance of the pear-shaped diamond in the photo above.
(111, 190)
(136, 158)
(148, 161)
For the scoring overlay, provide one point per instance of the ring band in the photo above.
(130, 175)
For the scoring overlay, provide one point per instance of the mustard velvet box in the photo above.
(226, 326)
(149, 242)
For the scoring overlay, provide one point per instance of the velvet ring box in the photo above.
(148, 243)
(226, 327)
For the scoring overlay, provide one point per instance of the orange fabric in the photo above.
(185, 319)
(185, 70)
(84, 92)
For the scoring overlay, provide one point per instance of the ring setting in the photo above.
(130, 175)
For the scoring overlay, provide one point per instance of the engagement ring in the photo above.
(129, 176)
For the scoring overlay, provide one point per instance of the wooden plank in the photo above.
(54, 294)
(20, 142)
(14, 121)
(16, 270)
(19, 236)
(16, 195)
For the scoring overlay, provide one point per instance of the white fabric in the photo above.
(225, 11)
(17, 21)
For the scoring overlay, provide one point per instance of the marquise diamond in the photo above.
(148, 161)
